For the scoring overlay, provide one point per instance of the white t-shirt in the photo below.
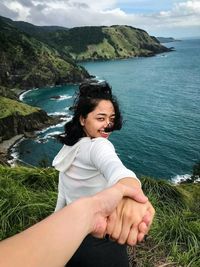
(86, 168)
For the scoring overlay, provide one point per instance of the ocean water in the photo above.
(160, 101)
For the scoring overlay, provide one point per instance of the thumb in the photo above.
(134, 193)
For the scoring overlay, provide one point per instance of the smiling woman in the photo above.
(99, 121)
(87, 164)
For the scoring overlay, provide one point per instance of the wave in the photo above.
(21, 97)
(14, 153)
(180, 178)
(50, 135)
(57, 113)
(64, 120)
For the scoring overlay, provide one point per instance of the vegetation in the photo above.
(26, 62)
(196, 172)
(29, 194)
(9, 107)
(92, 42)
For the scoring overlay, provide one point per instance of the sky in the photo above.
(167, 18)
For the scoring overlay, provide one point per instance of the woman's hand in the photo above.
(130, 221)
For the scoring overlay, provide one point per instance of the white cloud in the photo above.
(178, 15)
(17, 7)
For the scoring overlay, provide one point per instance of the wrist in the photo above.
(130, 182)
(86, 208)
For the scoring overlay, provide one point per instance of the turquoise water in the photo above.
(159, 98)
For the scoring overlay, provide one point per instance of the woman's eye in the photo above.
(100, 119)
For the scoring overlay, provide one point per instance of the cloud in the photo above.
(167, 15)
(6, 12)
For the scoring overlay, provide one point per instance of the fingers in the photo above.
(116, 230)
(125, 233)
(140, 237)
(111, 221)
(143, 228)
(148, 218)
(133, 236)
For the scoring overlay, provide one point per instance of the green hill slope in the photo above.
(26, 62)
(19, 118)
(96, 42)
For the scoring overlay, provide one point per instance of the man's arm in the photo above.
(53, 241)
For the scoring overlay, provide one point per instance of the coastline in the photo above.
(6, 146)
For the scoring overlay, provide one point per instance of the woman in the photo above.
(87, 164)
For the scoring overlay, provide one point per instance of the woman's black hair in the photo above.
(86, 100)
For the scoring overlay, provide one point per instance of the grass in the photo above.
(27, 195)
(9, 107)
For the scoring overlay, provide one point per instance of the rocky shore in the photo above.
(5, 147)
(14, 128)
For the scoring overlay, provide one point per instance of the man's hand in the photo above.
(130, 221)
(107, 202)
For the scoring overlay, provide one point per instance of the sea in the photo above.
(159, 98)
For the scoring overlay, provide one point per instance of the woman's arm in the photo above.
(53, 241)
(61, 201)
(130, 222)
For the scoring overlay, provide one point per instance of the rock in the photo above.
(55, 97)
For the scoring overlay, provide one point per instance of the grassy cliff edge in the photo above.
(27, 195)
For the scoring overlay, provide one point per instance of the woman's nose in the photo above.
(108, 123)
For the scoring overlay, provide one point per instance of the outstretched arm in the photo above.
(53, 241)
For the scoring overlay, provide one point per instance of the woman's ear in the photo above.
(82, 121)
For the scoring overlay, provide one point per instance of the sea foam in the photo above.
(180, 178)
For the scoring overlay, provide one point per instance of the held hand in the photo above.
(108, 200)
(130, 221)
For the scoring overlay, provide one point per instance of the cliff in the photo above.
(97, 42)
(26, 62)
(18, 118)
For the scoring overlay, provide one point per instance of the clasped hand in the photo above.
(130, 221)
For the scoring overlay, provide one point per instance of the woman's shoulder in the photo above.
(101, 142)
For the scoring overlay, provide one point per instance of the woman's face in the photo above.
(97, 120)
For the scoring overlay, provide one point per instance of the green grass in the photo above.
(10, 107)
(27, 195)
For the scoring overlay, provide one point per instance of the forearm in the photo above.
(51, 242)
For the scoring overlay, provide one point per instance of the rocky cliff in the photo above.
(21, 124)
(19, 118)
(26, 62)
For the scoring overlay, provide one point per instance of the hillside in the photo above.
(18, 119)
(97, 42)
(26, 62)
(36, 56)
(27, 195)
